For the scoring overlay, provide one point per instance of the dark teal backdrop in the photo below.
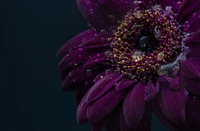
(33, 30)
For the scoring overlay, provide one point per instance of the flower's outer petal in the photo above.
(176, 6)
(191, 121)
(151, 90)
(77, 76)
(172, 103)
(79, 95)
(98, 60)
(150, 3)
(104, 105)
(97, 126)
(145, 123)
(165, 3)
(194, 49)
(74, 43)
(102, 14)
(77, 57)
(193, 111)
(123, 125)
(102, 86)
(124, 83)
(192, 85)
(186, 8)
(99, 77)
(190, 68)
(172, 82)
(133, 105)
(160, 115)
(112, 124)
(81, 113)
(194, 38)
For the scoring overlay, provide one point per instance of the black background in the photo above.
(31, 98)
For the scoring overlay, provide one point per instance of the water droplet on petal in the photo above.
(194, 14)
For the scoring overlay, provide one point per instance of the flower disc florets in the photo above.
(145, 41)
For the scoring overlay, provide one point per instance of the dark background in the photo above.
(31, 98)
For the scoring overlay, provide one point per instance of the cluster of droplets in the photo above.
(147, 43)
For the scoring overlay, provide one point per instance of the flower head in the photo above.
(138, 58)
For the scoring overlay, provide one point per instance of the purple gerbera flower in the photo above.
(138, 58)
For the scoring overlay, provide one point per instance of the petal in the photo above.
(112, 124)
(186, 9)
(99, 59)
(151, 90)
(192, 85)
(190, 68)
(79, 95)
(125, 83)
(145, 123)
(97, 126)
(193, 111)
(176, 6)
(150, 2)
(123, 125)
(74, 43)
(104, 105)
(194, 49)
(160, 115)
(194, 38)
(77, 76)
(102, 14)
(76, 57)
(165, 3)
(102, 86)
(133, 105)
(172, 82)
(81, 113)
(172, 103)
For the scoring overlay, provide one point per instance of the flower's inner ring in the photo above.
(145, 40)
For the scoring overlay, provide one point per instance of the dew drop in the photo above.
(111, 17)
(194, 14)
(91, 11)
(80, 49)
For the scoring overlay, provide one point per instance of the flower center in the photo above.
(145, 42)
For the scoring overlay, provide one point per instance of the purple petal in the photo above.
(160, 115)
(193, 111)
(152, 90)
(102, 86)
(97, 126)
(186, 9)
(172, 103)
(145, 123)
(79, 95)
(194, 38)
(192, 85)
(76, 76)
(125, 83)
(104, 105)
(81, 113)
(190, 68)
(150, 2)
(172, 82)
(133, 105)
(102, 14)
(123, 125)
(76, 57)
(77, 40)
(194, 49)
(99, 59)
(112, 124)
(165, 3)
(176, 6)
